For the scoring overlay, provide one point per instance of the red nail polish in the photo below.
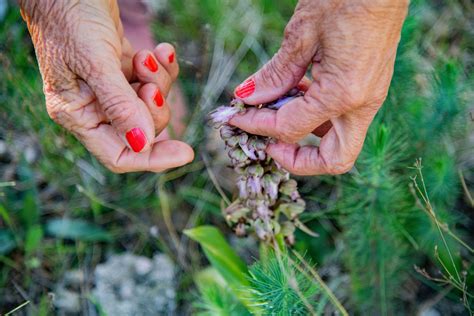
(245, 89)
(171, 58)
(136, 139)
(150, 63)
(158, 98)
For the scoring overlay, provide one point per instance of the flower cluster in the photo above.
(268, 202)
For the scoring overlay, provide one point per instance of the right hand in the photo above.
(87, 65)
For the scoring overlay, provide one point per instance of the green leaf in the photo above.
(220, 254)
(7, 242)
(34, 235)
(216, 298)
(76, 229)
(224, 259)
(30, 212)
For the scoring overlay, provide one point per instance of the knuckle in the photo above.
(275, 72)
(167, 83)
(287, 136)
(340, 167)
(162, 119)
(353, 96)
(114, 167)
(117, 109)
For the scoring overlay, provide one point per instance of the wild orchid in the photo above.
(268, 201)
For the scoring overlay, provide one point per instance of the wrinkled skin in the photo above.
(350, 46)
(98, 88)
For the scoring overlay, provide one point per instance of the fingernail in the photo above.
(171, 58)
(150, 63)
(136, 139)
(158, 98)
(245, 89)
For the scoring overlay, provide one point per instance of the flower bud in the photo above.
(238, 104)
(255, 170)
(237, 155)
(270, 186)
(263, 211)
(288, 228)
(292, 209)
(262, 230)
(262, 155)
(235, 212)
(243, 139)
(242, 185)
(232, 141)
(290, 188)
(227, 131)
(254, 186)
(241, 230)
(250, 152)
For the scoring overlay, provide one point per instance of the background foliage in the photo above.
(60, 209)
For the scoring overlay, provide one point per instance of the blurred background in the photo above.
(395, 234)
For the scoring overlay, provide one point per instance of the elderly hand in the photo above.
(351, 46)
(87, 66)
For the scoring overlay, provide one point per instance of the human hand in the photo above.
(87, 66)
(351, 46)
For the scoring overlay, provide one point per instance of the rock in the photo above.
(67, 301)
(133, 285)
(429, 312)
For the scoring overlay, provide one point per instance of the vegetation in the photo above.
(395, 234)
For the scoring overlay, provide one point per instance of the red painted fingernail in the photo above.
(150, 63)
(171, 58)
(136, 139)
(245, 89)
(158, 98)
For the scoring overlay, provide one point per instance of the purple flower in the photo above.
(270, 186)
(227, 132)
(222, 115)
(248, 151)
(242, 185)
(254, 186)
(261, 230)
(263, 211)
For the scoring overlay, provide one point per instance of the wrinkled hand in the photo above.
(87, 66)
(351, 46)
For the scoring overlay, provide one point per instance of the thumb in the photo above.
(126, 112)
(284, 71)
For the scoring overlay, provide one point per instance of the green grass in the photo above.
(373, 229)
